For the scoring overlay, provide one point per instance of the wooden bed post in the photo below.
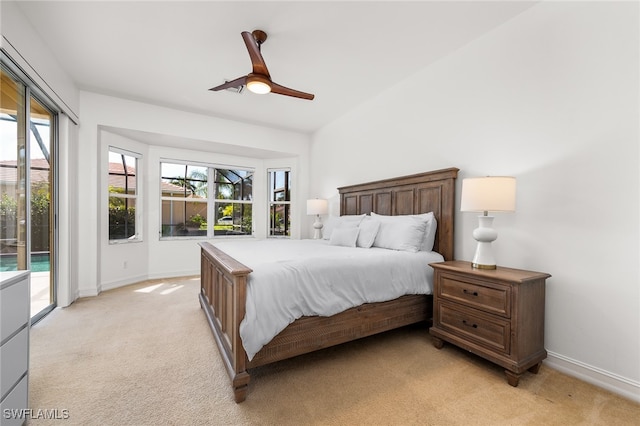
(223, 294)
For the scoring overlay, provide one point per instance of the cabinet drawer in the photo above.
(488, 297)
(14, 303)
(486, 330)
(13, 406)
(14, 360)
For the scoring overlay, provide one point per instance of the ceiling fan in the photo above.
(259, 81)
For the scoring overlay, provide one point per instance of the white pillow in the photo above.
(333, 222)
(404, 232)
(430, 231)
(346, 237)
(328, 226)
(368, 230)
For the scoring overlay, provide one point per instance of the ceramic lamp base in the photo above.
(317, 229)
(484, 235)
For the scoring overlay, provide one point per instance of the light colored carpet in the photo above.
(144, 355)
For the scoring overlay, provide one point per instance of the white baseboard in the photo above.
(86, 292)
(121, 283)
(91, 292)
(612, 382)
(174, 274)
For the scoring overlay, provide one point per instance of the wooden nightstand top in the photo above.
(500, 273)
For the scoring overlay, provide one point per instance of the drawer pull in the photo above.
(472, 293)
(469, 325)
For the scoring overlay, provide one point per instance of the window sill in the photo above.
(127, 241)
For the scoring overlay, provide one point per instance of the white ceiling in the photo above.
(170, 53)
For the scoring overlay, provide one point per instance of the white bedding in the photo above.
(295, 278)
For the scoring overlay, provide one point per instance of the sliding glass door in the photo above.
(27, 131)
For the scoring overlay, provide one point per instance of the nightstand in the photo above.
(497, 314)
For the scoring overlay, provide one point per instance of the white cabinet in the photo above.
(14, 350)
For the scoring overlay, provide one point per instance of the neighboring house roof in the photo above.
(39, 171)
(117, 176)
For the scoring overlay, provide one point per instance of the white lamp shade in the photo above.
(490, 193)
(317, 206)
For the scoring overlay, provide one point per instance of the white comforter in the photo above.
(295, 278)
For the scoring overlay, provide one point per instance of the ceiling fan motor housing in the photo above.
(260, 36)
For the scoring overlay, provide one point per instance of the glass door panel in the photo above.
(41, 224)
(13, 204)
(26, 185)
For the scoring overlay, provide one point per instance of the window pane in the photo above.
(280, 185)
(122, 173)
(179, 180)
(123, 192)
(40, 209)
(184, 218)
(122, 218)
(41, 226)
(279, 220)
(13, 173)
(233, 219)
(279, 207)
(233, 184)
(224, 191)
(197, 180)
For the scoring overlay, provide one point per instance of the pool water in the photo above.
(39, 262)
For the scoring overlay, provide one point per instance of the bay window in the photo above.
(203, 201)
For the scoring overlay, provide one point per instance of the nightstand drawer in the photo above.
(488, 297)
(472, 325)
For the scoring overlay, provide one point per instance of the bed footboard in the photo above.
(223, 292)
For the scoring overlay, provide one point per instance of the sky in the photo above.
(8, 136)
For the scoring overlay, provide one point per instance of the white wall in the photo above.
(67, 284)
(27, 50)
(550, 97)
(101, 265)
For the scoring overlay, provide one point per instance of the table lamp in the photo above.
(487, 194)
(317, 207)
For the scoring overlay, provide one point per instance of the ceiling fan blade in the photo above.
(259, 66)
(281, 90)
(240, 81)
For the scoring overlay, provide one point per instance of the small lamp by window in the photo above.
(317, 207)
(485, 194)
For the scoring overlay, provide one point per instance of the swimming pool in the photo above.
(40, 262)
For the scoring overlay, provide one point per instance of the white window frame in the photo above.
(137, 196)
(210, 200)
(270, 202)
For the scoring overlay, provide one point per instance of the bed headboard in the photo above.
(414, 194)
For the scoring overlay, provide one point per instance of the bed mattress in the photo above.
(295, 278)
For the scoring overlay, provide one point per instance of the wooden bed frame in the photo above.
(224, 280)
